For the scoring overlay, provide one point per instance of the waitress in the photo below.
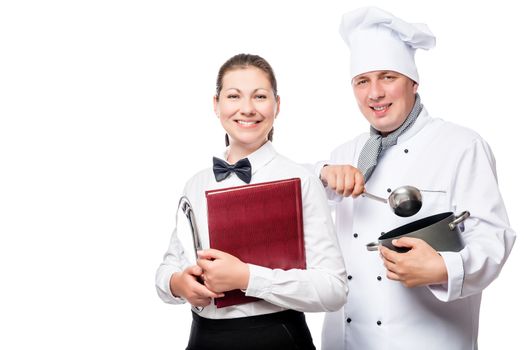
(247, 103)
(423, 298)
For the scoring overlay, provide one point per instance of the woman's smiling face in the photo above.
(247, 107)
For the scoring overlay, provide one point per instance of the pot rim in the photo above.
(416, 225)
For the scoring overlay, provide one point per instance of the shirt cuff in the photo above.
(452, 290)
(165, 288)
(259, 283)
(318, 168)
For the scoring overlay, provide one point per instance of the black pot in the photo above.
(440, 231)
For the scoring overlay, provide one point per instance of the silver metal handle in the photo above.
(373, 246)
(186, 207)
(434, 191)
(463, 216)
(372, 196)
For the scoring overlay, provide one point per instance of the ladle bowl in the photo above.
(405, 201)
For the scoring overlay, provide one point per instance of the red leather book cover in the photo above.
(260, 224)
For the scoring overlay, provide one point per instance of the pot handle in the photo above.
(373, 246)
(463, 216)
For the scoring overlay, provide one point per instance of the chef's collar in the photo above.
(422, 119)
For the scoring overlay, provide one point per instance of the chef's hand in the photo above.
(345, 180)
(222, 271)
(186, 284)
(420, 266)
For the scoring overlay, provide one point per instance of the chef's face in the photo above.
(385, 98)
(247, 107)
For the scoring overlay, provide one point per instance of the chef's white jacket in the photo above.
(321, 287)
(383, 314)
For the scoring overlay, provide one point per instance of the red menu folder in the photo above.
(260, 224)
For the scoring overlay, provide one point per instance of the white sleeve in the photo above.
(487, 235)
(174, 261)
(323, 285)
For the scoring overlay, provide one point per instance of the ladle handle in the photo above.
(372, 196)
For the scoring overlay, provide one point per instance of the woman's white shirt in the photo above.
(321, 287)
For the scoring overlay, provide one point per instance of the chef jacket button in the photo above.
(348, 320)
(350, 277)
(406, 150)
(355, 235)
(389, 190)
(379, 323)
(379, 278)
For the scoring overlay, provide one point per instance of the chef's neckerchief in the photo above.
(377, 144)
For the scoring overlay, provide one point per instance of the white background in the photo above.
(106, 111)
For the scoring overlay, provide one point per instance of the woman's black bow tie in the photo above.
(222, 169)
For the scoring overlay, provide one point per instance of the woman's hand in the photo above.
(222, 271)
(186, 284)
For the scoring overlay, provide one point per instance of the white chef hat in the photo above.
(380, 41)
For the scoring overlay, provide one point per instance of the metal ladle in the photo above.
(404, 201)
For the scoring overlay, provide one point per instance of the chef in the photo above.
(422, 299)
